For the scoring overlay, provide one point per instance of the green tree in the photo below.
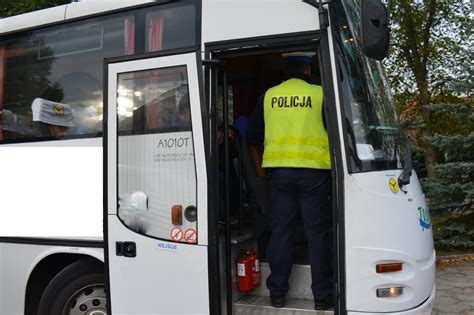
(451, 193)
(430, 70)
(12, 7)
(430, 40)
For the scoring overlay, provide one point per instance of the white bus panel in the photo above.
(17, 261)
(232, 19)
(69, 172)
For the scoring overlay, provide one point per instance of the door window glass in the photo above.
(156, 170)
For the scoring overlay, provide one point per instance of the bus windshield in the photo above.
(373, 133)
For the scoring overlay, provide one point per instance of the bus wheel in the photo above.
(79, 289)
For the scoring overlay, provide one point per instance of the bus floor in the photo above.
(299, 299)
(257, 301)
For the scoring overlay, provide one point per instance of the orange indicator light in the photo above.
(392, 267)
(177, 215)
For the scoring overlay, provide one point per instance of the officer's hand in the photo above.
(220, 137)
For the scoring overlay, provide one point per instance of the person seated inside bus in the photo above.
(49, 119)
(54, 119)
(183, 119)
(17, 124)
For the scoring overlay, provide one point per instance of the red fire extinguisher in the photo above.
(255, 262)
(244, 272)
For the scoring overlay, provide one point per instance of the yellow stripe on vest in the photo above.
(295, 159)
(286, 155)
(298, 140)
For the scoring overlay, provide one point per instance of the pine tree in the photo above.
(451, 193)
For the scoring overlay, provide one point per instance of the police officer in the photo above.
(290, 121)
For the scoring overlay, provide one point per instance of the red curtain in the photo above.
(155, 43)
(155, 33)
(129, 36)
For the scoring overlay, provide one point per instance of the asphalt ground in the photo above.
(454, 285)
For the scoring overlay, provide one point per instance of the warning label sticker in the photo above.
(190, 236)
(176, 234)
(241, 270)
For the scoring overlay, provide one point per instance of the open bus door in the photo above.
(156, 230)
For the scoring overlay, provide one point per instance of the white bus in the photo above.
(119, 194)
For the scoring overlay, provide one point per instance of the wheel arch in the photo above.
(45, 270)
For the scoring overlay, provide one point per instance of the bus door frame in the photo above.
(318, 40)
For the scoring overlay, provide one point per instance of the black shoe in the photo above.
(323, 304)
(278, 301)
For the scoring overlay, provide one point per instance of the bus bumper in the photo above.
(425, 308)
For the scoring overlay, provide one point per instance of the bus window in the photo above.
(156, 174)
(60, 64)
(64, 64)
(170, 28)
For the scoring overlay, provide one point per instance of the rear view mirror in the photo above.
(375, 31)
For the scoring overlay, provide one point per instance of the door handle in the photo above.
(126, 249)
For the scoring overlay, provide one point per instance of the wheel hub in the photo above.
(90, 300)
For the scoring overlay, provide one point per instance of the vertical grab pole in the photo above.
(241, 188)
(227, 193)
(215, 287)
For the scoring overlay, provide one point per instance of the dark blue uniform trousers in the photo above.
(308, 190)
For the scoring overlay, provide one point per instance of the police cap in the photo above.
(301, 56)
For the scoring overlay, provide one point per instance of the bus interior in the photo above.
(248, 76)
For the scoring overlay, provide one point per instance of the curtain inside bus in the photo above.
(155, 33)
(129, 36)
(155, 43)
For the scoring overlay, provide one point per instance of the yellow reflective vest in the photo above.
(294, 130)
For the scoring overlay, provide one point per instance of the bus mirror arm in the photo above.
(404, 178)
(323, 12)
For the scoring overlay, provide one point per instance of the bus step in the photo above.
(260, 305)
(300, 282)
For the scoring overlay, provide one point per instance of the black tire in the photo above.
(78, 286)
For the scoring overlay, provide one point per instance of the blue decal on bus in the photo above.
(425, 219)
(167, 246)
